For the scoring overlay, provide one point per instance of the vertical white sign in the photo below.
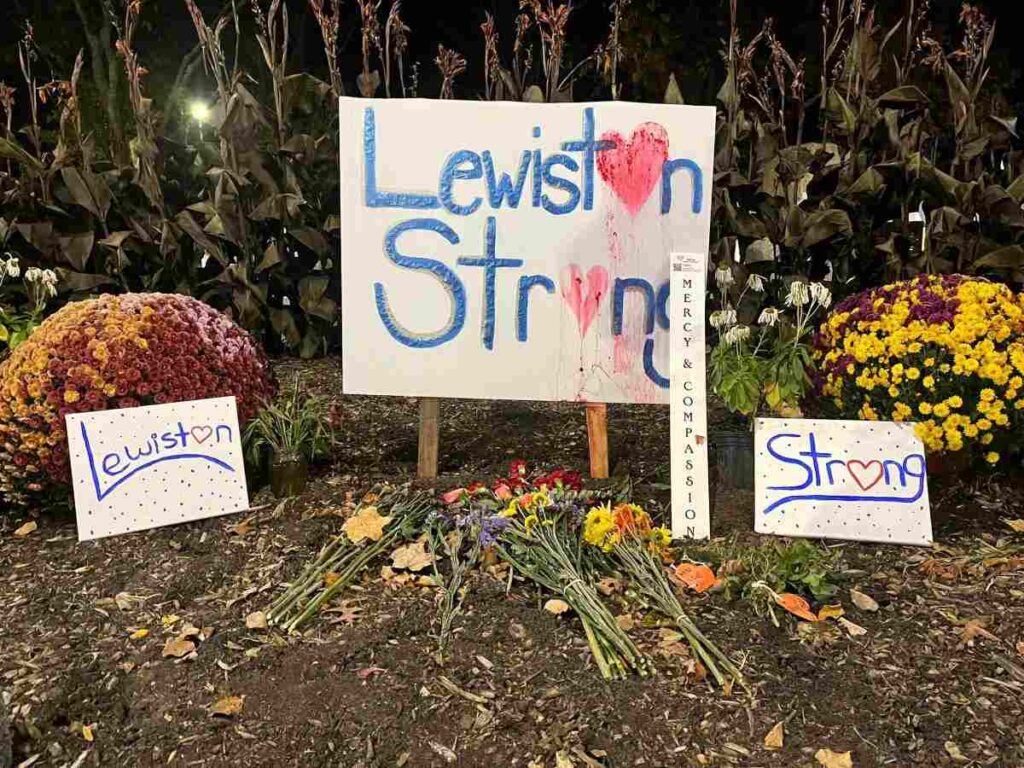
(689, 407)
(139, 468)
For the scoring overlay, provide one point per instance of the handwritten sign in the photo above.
(861, 480)
(516, 251)
(689, 408)
(139, 468)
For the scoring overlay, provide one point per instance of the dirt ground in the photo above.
(361, 686)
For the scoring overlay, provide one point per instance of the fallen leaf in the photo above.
(625, 622)
(972, 630)
(87, 733)
(818, 633)
(189, 631)
(367, 523)
(330, 577)
(608, 585)
(773, 739)
(367, 672)
(256, 620)
(124, 601)
(953, 750)
(446, 754)
(830, 612)
(229, 706)
(177, 647)
(830, 759)
(696, 576)
(412, 557)
(562, 759)
(853, 630)
(169, 620)
(240, 529)
(863, 602)
(557, 607)
(796, 605)
(1016, 525)
(138, 634)
(393, 578)
(26, 529)
(1020, 647)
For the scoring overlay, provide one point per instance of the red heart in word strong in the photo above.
(863, 467)
(204, 431)
(584, 305)
(632, 168)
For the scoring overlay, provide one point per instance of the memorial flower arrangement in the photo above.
(945, 352)
(641, 551)
(115, 352)
(764, 362)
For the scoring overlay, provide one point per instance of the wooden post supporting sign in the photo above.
(426, 463)
(597, 434)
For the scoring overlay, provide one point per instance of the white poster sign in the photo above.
(139, 468)
(516, 251)
(860, 480)
(689, 411)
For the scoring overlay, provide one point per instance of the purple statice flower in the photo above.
(491, 528)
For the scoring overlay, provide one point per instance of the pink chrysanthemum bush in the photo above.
(115, 352)
(944, 352)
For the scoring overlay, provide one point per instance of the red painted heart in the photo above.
(863, 467)
(584, 304)
(632, 168)
(205, 431)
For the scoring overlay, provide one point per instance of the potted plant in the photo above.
(759, 367)
(288, 435)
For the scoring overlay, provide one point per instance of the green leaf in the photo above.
(271, 256)
(822, 225)
(77, 249)
(78, 282)
(1008, 257)
(759, 251)
(1016, 189)
(840, 112)
(11, 150)
(868, 183)
(311, 238)
(304, 93)
(905, 95)
(283, 322)
(87, 190)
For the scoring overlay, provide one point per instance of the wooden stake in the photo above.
(597, 432)
(426, 465)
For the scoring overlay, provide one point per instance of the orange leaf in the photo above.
(796, 605)
(697, 577)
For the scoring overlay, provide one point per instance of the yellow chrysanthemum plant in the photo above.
(641, 551)
(945, 352)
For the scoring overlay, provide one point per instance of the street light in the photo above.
(199, 111)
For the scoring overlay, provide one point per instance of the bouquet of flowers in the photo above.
(641, 551)
(542, 542)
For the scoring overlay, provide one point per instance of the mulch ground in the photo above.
(362, 686)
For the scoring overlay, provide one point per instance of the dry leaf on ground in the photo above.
(1020, 647)
(412, 557)
(138, 634)
(773, 739)
(853, 630)
(87, 733)
(608, 585)
(830, 612)
(863, 602)
(178, 647)
(830, 759)
(972, 630)
(229, 706)
(557, 607)
(1016, 525)
(696, 576)
(796, 605)
(365, 524)
(953, 750)
(26, 529)
(256, 620)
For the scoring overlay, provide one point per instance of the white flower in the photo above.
(49, 277)
(736, 334)
(769, 317)
(821, 294)
(724, 278)
(799, 294)
(12, 267)
(32, 274)
(755, 283)
(723, 318)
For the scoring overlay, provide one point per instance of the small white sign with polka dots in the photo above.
(139, 468)
(858, 480)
